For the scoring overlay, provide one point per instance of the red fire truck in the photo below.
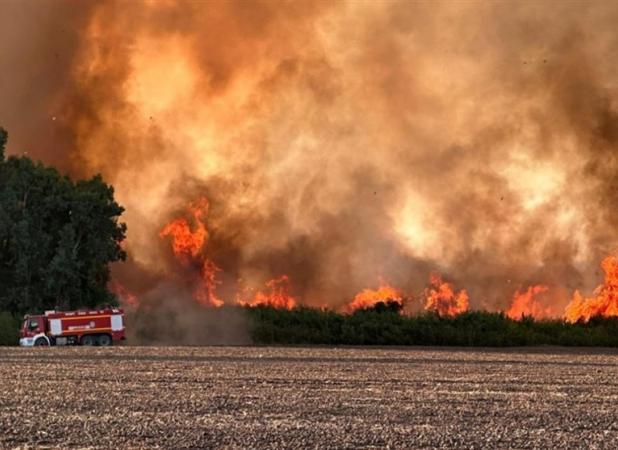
(95, 327)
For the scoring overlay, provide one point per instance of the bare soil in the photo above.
(249, 397)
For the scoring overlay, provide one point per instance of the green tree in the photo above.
(57, 237)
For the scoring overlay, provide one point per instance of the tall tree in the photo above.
(57, 237)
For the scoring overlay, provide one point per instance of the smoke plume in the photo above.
(337, 143)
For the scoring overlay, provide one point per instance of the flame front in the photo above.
(441, 298)
(526, 304)
(604, 303)
(189, 238)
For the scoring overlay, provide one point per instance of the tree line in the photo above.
(383, 325)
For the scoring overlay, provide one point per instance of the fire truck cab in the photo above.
(95, 327)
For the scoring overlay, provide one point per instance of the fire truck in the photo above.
(95, 327)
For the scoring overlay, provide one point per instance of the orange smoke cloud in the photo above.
(604, 303)
(334, 140)
(441, 298)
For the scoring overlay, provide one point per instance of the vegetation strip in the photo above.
(384, 325)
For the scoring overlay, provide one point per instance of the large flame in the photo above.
(188, 242)
(368, 298)
(604, 302)
(527, 304)
(441, 298)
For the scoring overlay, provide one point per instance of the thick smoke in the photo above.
(337, 142)
(170, 317)
(38, 45)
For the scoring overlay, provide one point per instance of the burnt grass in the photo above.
(278, 397)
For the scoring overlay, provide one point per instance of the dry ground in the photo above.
(132, 397)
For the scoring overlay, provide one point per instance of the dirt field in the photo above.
(296, 397)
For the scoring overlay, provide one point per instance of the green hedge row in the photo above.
(384, 326)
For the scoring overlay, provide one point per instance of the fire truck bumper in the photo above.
(26, 342)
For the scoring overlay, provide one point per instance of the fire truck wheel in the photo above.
(40, 342)
(104, 340)
(87, 340)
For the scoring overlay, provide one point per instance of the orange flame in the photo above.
(368, 298)
(205, 291)
(605, 300)
(279, 296)
(188, 243)
(525, 304)
(442, 299)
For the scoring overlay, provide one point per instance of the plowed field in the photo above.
(248, 397)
